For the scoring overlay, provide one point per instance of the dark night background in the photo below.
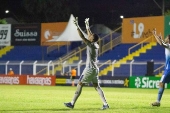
(99, 11)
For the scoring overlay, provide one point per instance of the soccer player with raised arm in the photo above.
(91, 71)
(166, 76)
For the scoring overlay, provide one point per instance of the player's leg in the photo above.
(101, 93)
(84, 78)
(164, 79)
(76, 95)
(82, 81)
(96, 85)
(99, 89)
(160, 93)
(102, 96)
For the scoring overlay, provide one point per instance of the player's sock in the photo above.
(77, 94)
(160, 93)
(100, 91)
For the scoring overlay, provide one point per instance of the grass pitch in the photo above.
(50, 99)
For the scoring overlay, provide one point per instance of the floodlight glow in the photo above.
(7, 11)
(121, 16)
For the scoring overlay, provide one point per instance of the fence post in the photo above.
(20, 68)
(48, 67)
(131, 67)
(52, 68)
(6, 67)
(79, 67)
(64, 66)
(34, 68)
(113, 67)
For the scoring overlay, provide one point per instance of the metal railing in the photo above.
(56, 46)
(140, 43)
(132, 68)
(159, 69)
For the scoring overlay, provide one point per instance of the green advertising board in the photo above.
(166, 26)
(145, 82)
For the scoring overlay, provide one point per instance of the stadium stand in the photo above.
(152, 54)
(19, 53)
(116, 53)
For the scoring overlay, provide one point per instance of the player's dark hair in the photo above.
(169, 37)
(96, 37)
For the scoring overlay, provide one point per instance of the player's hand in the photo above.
(160, 36)
(87, 23)
(76, 21)
(154, 31)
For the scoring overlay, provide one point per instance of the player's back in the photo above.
(92, 54)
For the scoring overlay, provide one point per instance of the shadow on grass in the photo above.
(79, 109)
(52, 110)
(148, 107)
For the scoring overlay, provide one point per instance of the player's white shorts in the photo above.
(89, 75)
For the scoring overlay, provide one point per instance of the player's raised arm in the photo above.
(156, 37)
(80, 32)
(159, 39)
(87, 27)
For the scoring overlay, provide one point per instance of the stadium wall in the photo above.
(27, 80)
(149, 82)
